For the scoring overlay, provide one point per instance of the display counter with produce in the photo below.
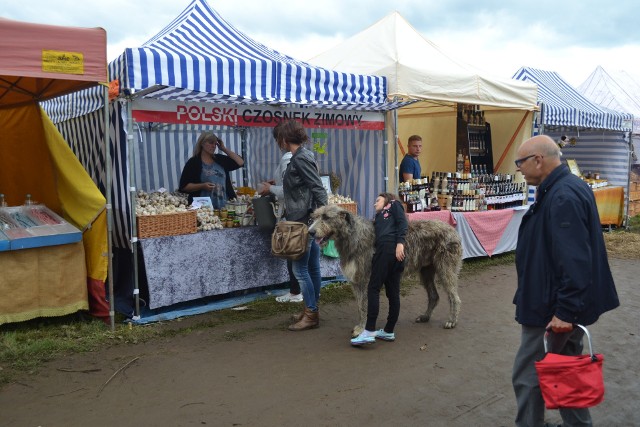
(191, 266)
(485, 208)
(221, 252)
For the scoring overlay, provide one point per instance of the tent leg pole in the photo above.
(243, 139)
(107, 143)
(385, 155)
(627, 197)
(396, 137)
(132, 196)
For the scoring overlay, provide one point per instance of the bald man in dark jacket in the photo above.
(563, 273)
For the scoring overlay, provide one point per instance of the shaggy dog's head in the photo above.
(327, 220)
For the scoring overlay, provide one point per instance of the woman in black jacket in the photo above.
(303, 193)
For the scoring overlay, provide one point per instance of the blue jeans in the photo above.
(307, 271)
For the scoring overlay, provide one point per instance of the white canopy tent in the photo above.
(418, 70)
(616, 91)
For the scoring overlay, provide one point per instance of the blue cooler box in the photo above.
(37, 226)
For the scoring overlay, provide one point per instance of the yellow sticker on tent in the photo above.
(56, 61)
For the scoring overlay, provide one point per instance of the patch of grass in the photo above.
(25, 346)
(625, 242)
(473, 265)
(634, 224)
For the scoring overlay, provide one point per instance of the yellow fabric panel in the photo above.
(80, 199)
(47, 281)
(95, 247)
(36, 159)
(25, 163)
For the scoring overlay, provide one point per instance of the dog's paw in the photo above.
(422, 318)
(449, 325)
(357, 330)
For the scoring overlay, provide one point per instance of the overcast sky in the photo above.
(570, 37)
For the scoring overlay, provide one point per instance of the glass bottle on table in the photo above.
(445, 183)
(3, 203)
(467, 163)
(436, 185)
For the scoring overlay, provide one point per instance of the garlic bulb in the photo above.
(160, 202)
(207, 220)
(338, 199)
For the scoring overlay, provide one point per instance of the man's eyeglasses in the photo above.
(519, 162)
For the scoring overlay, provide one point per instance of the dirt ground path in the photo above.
(260, 374)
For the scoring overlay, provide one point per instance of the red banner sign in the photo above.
(146, 110)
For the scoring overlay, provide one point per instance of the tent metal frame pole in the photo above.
(243, 143)
(133, 202)
(109, 207)
(385, 154)
(628, 139)
(396, 137)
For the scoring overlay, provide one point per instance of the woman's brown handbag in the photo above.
(289, 240)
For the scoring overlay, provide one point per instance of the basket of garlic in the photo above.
(344, 202)
(164, 214)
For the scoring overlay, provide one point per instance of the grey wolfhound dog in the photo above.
(433, 249)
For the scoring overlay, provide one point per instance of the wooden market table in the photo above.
(42, 282)
(610, 203)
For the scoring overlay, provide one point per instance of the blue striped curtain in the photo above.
(85, 137)
(162, 151)
(354, 155)
(597, 150)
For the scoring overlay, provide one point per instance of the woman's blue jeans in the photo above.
(307, 271)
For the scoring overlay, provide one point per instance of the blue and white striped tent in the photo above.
(602, 134)
(200, 57)
(565, 106)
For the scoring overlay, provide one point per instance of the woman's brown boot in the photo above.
(296, 317)
(310, 319)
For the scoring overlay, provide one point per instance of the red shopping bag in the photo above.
(571, 381)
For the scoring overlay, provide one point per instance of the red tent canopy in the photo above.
(39, 61)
